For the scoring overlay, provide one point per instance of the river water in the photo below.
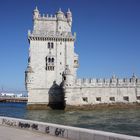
(125, 121)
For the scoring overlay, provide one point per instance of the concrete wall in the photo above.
(71, 133)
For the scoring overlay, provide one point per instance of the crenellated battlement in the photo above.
(59, 23)
(51, 17)
(46, 17)
(112, 82)
(58, 16)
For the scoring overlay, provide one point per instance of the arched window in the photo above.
(52, 45)
(64, 77)
(52, 59)
(49, 63)
(49, 45)
(75, 61)
(29, 60)
(49, 59)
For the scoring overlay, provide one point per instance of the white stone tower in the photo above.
(51, 51)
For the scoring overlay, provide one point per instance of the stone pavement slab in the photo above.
(10, 133)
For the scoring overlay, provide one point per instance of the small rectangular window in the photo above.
(126, 98)
(98, 99)
(85, 99)
(112, 98)
(138, 97)
(49, 68)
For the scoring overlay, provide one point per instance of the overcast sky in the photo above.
(108, 37)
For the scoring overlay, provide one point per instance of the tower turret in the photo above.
(134, 78)
(60, 15)
(69, 16)
(28, 77)
(68, 77)
(36, 13)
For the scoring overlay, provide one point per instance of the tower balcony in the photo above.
(51, 64)
(76, 65)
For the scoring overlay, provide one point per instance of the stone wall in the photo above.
(98, 95)
(97, 91)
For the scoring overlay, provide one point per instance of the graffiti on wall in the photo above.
(25, 125)
(59, 132)
(9, 122)
(19, 124)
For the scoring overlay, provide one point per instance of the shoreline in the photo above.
(85, 107)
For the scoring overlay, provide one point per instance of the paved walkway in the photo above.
(8, 133)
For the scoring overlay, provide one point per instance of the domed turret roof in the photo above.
(60, 15)
(36, 9)
(114, 76)
(67, 70)
(134, 76)
(69, 12)
(60, 12)
(29, 69)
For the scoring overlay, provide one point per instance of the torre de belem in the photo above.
(50, 77)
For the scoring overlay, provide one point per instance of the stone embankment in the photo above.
(103, 106)
(60, 131)
(86, 107)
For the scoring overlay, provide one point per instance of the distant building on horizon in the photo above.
(51, 75)
(10, 94)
